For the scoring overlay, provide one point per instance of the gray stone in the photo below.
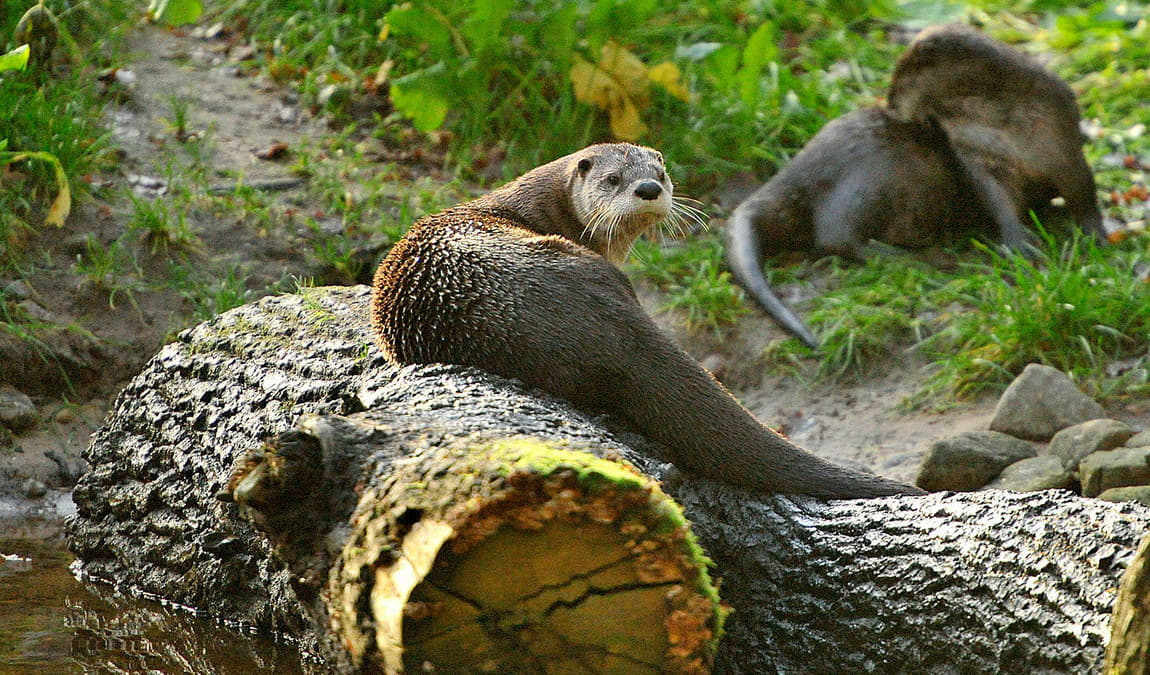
(35, 311)
(1117, 468)
(1139, 440)
(970, 460)
(16, 409)
(1132, 493)
(1041, 402)
(1073, 443)
(17, 290)
(34, 489)
(1033, 474)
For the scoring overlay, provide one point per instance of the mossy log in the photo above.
(514, 555)
(985, 582)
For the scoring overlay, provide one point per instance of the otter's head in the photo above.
(619, 191)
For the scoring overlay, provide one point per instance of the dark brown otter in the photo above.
(976, 135)
(865, 176)
(516, 283)
(1012, 124)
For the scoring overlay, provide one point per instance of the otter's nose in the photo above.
(648, 190)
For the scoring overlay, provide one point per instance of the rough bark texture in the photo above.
(980, 582)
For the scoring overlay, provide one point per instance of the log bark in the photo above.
(978, 582)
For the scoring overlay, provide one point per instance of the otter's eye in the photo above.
(662, 176)
(613, 180)
(584, 165)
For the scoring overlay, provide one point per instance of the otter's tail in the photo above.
(746, 262)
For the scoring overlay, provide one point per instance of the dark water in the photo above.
(52, 623)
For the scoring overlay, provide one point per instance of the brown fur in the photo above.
(976, 136)
(1012, 124)
(515, 284)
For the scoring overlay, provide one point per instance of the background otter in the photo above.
(516, 283)
(1012, 124)
(977, 135)
(865, 176)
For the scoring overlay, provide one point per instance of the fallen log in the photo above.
(969, 582)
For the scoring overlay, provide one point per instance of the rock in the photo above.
(1122, 467)
(16, 409)
(1130, 493)
(35, 311)
(33, 489)
(970, 460)
(1033, 474)
(1041, 402)
(1139, 440)
(1073, 443)
(17, 290)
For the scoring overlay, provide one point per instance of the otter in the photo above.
(866, 176)
(523, 283)
(975, 135)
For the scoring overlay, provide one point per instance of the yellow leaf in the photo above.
(668, 76)
(62, 205)
(625, 121)
(592, 85)
(617, 84)
(626, 69)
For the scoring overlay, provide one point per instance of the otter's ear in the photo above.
(584, 165)
(660, 156)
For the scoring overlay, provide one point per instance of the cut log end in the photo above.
(1128, 652)
(571, 564)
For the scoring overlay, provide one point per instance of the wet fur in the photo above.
(507, 284)
(976, 135)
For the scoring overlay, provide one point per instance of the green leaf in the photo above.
(760, 50)
(16, 59)
(483, 29)
(175, 12)
(424, 96)
(422, 25)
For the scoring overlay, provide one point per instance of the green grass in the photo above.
(1079, 308)
(477, 78)
(57, 111)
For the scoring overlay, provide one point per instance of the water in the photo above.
(52, 623)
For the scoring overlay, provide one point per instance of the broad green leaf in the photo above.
(422, 25)
(423, 96)
(760, 50)
(16, 59)
(175, 12)
(484, 27)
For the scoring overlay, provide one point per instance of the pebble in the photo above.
(16, 410)
(34, 489)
